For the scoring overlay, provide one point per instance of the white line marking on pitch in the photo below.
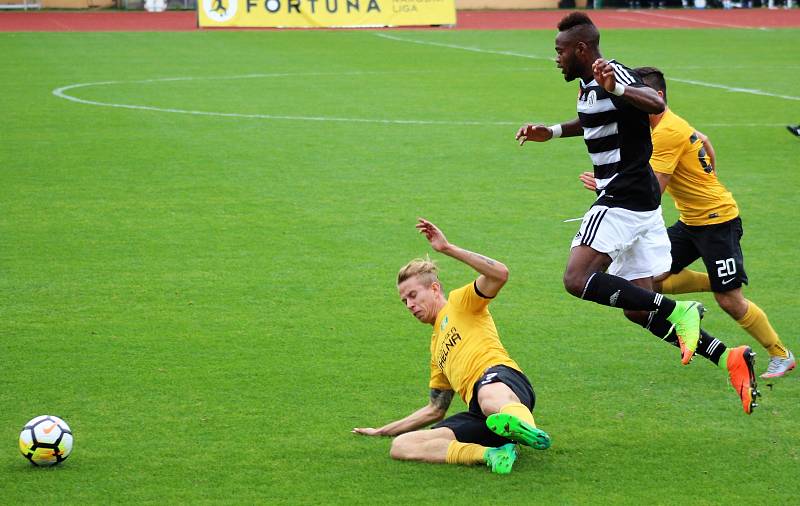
(733, 89)
(463, 48)
(699, 21)
(62, 93)
(522, 55)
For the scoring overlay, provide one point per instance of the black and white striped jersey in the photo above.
(617, 136)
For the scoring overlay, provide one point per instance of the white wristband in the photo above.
(618, 90)
(556, 130)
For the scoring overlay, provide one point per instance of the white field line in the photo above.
(463, 48)
(699, 21)
(662, 24)
(751, 91)
(62, 93)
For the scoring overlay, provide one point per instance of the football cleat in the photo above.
(501, 459)
(511, 427)
(685, 318)
(778, 366)
(741, 362)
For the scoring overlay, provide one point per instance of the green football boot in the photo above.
(501, 459)
(686, 320)
(511, 427)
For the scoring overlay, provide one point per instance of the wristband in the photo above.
(618, 90)
(555, 130)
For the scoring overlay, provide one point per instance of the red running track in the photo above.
(175, 21)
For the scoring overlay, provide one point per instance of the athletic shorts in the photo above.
(636, 241)
(718, 246)
(470, 426)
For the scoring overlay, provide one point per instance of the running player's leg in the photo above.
(680, 279)
(737, 362)
(722, 254)
(637, 243)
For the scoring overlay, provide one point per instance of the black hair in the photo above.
(653, 78)
(581, 27)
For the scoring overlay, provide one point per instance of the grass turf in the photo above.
(208, 301)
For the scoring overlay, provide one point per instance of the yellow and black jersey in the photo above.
(465, 342)
(699, 196)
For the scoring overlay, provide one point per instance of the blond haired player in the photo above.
(467, 358)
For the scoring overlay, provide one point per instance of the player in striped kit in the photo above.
(622, 242)
(709, 226)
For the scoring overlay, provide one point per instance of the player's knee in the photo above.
(574, 283)
(732, 303)
(401, 448)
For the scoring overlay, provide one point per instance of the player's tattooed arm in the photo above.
(485, 259)
(428, 414)
(493, 274)
(441, 399)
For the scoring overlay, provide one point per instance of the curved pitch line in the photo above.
(62, 93)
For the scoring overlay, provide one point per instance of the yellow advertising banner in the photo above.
(324, 13)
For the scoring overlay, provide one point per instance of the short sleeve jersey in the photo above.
(699, 196)
(465, 343)
(617, 136)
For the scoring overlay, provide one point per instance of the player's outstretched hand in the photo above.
(366, 431)
(587, 178)
(604, 74)
(433, 234)
(536, 133)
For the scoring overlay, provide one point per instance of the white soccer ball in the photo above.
(46, 440)
(155, 5)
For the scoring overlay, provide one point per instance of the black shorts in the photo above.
(718, 246)
(470, 426)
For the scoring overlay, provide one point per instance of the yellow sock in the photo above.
(465, 453)
(519, 410)
(686, 281)
(756, 324)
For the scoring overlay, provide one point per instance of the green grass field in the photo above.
(208, 300)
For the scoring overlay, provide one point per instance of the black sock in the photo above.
(708, 346)
(614, 291)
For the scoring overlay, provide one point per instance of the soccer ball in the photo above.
(46, 440)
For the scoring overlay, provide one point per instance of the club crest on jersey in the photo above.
(444, 324)
(591, 98)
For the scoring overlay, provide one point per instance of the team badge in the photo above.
(591, 98)
(444, 324)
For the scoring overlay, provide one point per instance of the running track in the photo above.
(113, 21)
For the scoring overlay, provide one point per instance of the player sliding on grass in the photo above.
(467, 358)
(622, 242)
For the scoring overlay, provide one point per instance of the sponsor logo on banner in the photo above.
(325, 13)
(220, 10)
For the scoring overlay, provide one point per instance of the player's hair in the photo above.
(424, 268)
(581, 27)
(653, 78)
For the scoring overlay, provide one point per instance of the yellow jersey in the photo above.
(465, 343)
(699, 196)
